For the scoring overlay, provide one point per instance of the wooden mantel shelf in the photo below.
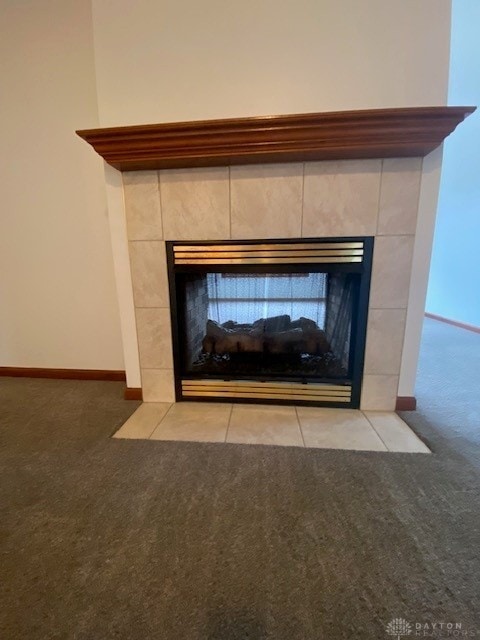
(376, 133)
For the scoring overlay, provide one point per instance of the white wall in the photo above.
(58, 305)
(454, 273)
(173, 60)
(162, 60)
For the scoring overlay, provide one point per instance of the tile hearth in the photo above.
(309, 427)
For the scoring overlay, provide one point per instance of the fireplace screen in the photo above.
(276, 324)
(286, 317)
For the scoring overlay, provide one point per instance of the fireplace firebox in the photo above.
(282, 321)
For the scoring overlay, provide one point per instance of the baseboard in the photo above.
(64, 374)
(455, 323)
(133, 393)
(406, 403)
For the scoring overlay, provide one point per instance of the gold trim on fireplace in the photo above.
(311, 392)
(303, 252)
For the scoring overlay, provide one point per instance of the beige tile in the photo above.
(144, 421)
(264, 424)
(385, 331)
(395, 433)
(338, 429)
(154, 338)
(196, 203)
(379, 393)
(341, 198)
(158, 385)
(392, 263)
(195, 421)
(142, 205)
(266, 201)
(149, 274)
(399, 194)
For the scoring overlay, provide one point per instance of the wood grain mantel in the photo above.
(376, 133)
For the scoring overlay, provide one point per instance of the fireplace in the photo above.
(281, 322)
(355, 175)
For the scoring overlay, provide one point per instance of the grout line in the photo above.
(147, 240)
(155, 427)
(303, 197)
(158, 423)
(379, 197)
(373, 427)
(395, 235)
(300, 426)
(161, 203)
(229, 203)
(228, 424)
(382, 235)
(166, 414)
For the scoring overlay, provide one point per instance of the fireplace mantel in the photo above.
(375, 133)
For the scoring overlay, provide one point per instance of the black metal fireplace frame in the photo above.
(359, 328)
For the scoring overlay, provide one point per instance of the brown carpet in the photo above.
(105, 538)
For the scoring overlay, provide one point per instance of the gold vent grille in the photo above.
(310, 392)
(301, 252)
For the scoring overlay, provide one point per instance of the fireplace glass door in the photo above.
(271, 324)
(289, 313)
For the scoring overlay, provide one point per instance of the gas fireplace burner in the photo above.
(282, 321)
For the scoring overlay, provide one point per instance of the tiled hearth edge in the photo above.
(290, 200)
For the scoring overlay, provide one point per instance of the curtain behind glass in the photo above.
(249, 297)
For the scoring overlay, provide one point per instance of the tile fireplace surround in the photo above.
(278, 199)
(292, 200)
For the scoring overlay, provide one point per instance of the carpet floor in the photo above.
(105, 538)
